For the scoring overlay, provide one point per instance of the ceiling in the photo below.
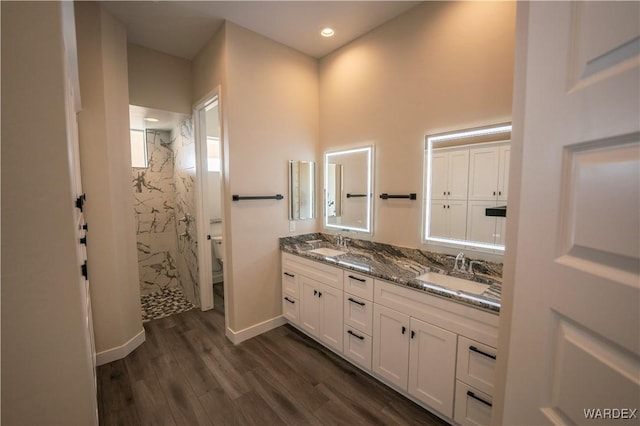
(182, 28)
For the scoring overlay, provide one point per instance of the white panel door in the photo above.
(457, 219)
(480, 227)
(438, 226)
(458, 175)
(439, 174)
(483, 173)
(574, 346)
(504, 154)
(391, 345)
(432, 365)
(331, 324)
(309, 305)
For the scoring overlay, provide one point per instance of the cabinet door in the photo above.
(330, 316)
(483, 173)
(309, 306)
(457, 219)
(458, 176)
(480, 227)
(432, 366)
(439, 218)
(501, 229)
(503, 173)
(439, 174)
(391, 345)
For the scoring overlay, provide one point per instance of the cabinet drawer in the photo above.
(326, 274)
(358, 313)
(290, 282)
(476, 364)
(472, 407)
(358, 285)
(291, 308)
(357, 346)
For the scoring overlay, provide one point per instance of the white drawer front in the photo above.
(291, 308)
(357, 346)
(476, 364)
(290, 279)
(358, 285)
(318, 271)
(472, 407)
(358, 313)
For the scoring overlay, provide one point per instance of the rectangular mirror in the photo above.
(466, 178)
(348, 189)
(302, 193)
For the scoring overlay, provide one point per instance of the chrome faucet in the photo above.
(341, 241)
(473, 262)
(459, 257)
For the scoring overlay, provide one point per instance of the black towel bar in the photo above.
(356, 195)
(236, 197)
(412, 196)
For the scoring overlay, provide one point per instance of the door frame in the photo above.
(201, 188)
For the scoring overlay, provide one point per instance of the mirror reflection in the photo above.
(302, 183)
(348, 191)
(466, 175)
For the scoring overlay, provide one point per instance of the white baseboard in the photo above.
(122, 351)
(255, 330)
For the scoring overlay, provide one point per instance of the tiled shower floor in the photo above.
(163, 303)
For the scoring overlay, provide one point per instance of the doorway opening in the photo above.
(210, 194)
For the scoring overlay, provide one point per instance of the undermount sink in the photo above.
(323, 251)
(453, 283)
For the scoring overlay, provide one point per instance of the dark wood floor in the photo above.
(188, 373)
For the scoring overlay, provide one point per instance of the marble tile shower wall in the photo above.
(184, 175)
(154, 193)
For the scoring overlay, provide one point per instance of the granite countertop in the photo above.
(401, 266)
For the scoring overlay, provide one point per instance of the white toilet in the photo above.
(218, 253)
(218, 249)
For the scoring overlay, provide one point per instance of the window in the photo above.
(213, 154)
(138, 149)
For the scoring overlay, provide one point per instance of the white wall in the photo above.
(158, 80)
(106, 174)
(269, 116)
(46, 358)
(439, 66)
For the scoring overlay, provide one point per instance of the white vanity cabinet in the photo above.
(415, 356)
(319, 304)
(416, 344)
(438, 352)
(358, 318)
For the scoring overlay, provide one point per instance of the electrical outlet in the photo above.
(292, 226)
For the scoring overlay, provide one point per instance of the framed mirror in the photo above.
(302, 190)
(348, 190)
(466, 176)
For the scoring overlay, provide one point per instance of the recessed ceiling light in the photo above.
(327, 32)
(151, 119)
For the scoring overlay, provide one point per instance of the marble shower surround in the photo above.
(154, 195)
(184, 174)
